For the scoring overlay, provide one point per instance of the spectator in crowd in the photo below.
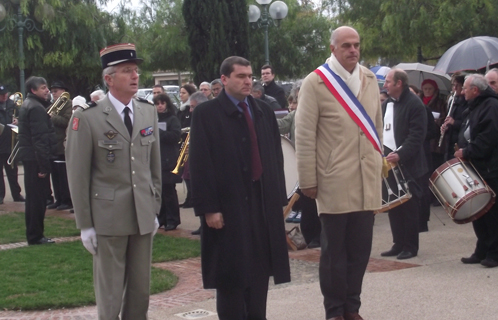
(216, 87)
(184, 114)
(205, 88)
(169, 135)
(37, 148)
(258, 92)
(157, 89)
(97, 95)
(271, 88)
(492, 79)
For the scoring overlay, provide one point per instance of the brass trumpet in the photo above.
(59, 104)
(183, 156)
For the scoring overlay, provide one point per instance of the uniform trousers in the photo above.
(249, 302)
(121, 276)
(36, 201)
(59, 180)
(346, 242)
(486, 230)
(11, 173)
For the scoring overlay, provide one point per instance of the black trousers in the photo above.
(36, 201)
(486, 230)
(425, 201)
(249, 303)
(11, 173)
(170, 210)
(404, 221)
(346, 241)
(59, 180)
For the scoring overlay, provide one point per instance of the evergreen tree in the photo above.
(216, 30)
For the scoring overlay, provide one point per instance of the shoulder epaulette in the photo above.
(145, 101)
(89, 105)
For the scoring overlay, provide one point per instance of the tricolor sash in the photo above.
(350, 103)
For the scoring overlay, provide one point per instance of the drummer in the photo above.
(478, 143)
(404, 135)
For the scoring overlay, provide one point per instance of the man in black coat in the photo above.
(405, 128)
(7, 108)
(238, 190)
(37, 147)
(478, 143)
(271, 88)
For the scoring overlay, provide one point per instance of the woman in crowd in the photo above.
(169, 135)
(184, 115)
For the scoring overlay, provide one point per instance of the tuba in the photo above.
(59, 104)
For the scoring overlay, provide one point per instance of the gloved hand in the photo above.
(156, 227)
(89, 239)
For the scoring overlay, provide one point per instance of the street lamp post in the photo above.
(277, 11)
(22, 23)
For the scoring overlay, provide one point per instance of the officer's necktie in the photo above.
(257, 168)
(127, 120)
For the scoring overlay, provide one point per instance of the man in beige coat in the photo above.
(340, 168)
(114, 171)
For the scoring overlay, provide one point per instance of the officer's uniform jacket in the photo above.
(115, 181)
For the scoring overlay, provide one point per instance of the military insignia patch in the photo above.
(111, 157)
(76, 122)
(111, 134)
(146, 132)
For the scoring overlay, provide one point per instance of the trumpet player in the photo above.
(60, 120)
(36, 150)
(7, 108)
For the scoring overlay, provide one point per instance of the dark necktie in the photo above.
(127, 120)
(257, 168)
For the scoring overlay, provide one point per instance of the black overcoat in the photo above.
(220, 169)
(169, 145)
(410, 129)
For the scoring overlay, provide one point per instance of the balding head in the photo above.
(345, 46)
(396, 82)
(492, 78)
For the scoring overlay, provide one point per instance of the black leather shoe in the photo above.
(64, 207)
(71, 211)
(169, 227)
(196, 232)
(187, 205)
(391, 253)
(19, 198)
(405, 255)
(490, 263)
(53, 205)
(1, 200)
(42, 241)
(473, 259)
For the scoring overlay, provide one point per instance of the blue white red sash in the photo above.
(350, 103)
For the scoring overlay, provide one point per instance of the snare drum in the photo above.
(395, 189)
(462, 192)
(290, 166)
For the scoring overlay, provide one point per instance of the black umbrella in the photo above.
(472, 54)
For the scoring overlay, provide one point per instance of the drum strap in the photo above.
(350, 103)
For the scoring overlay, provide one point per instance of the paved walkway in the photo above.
(433, 285)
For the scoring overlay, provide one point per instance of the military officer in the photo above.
(114, 171)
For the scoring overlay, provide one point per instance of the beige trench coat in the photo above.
(333, 153)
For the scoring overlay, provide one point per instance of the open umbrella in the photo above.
(380, 71)
(471, 54)
(418, 72)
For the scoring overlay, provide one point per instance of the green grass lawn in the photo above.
(13, 227)
(60, 275)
